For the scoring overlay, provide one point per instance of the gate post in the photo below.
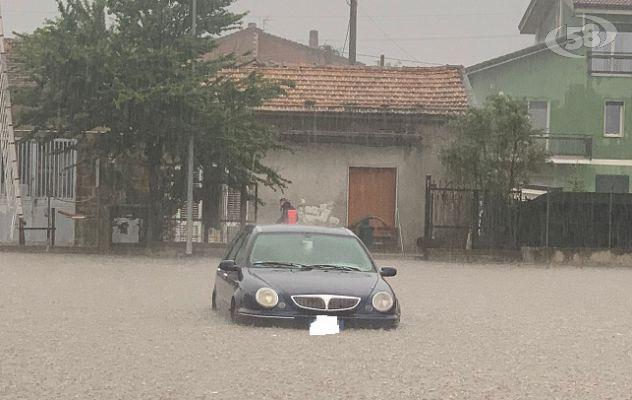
(475, 216)
(548, 217)
(52, 227)
(243, 205)
(610, 207)
(21, 235)
(428, 216)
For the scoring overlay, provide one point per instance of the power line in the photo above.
(407, 16)
(389, 37)
(344, 46)
(419, 39)
(398, 59)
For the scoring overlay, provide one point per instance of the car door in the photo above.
(224, 281)
(241, 259)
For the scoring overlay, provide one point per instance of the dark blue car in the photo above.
(295, 273)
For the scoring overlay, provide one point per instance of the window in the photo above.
(310, 249)
(612, 184)
(539, 115)
(240, 257)
(613, 117)
(234, 248)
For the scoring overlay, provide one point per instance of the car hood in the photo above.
(317, 281)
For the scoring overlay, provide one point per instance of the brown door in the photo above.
(372, 192)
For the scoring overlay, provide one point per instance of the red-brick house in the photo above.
(254, 44)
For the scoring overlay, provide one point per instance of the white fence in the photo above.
(46, 169)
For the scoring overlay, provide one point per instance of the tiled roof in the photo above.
(432, 90)
(619, 4)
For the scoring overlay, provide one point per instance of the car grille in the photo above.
(326, 302)
(310, 303)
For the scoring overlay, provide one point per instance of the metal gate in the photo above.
(451, 215)
(467, 218)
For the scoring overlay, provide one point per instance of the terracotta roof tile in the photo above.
(423, 90)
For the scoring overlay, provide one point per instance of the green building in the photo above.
(582, 100)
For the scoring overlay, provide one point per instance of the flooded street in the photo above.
(97, 327)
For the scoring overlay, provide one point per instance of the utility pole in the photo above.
(353, 32)
(189, 250)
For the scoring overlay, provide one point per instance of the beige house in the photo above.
(363, 139)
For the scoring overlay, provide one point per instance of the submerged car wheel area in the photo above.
(293, 273)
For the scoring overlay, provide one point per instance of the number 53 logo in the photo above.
(596, 35)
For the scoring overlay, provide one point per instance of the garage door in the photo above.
(372, 192)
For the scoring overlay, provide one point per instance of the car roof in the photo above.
(302, 229)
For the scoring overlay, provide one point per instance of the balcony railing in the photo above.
(605, 62)
(565, 145)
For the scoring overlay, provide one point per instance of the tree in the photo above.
(494, 147)
(133, 69)
(494, 151)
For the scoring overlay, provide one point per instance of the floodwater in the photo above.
(98, 327)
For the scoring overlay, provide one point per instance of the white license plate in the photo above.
(324, 325)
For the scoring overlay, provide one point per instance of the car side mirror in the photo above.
(229, 266)
(388, 272)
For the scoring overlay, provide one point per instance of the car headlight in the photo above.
(383, 301)
(267, 298)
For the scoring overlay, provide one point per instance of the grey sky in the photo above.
(443, 31)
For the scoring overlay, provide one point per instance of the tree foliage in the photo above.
(133, 71)
(494, 147)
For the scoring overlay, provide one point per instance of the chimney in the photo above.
(252, 25)
(313, 39)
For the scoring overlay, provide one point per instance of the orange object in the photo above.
(292, 217)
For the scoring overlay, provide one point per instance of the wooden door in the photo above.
(372, 192)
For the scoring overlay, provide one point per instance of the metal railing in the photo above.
(605, 62)
(48, 169)
(567, 145)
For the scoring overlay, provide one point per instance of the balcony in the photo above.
(565, 145)
(609, 63)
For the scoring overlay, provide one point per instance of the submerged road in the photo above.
(99, 327)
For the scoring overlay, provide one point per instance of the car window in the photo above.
(240, 255)
(310, 249)
(235, 246)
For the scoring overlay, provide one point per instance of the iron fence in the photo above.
(577, 220)
(467, 218)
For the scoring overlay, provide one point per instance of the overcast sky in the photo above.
(432, 31)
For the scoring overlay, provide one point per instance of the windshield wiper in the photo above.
(336, 267)
(281, 265)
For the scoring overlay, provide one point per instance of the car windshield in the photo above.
(314, 250)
